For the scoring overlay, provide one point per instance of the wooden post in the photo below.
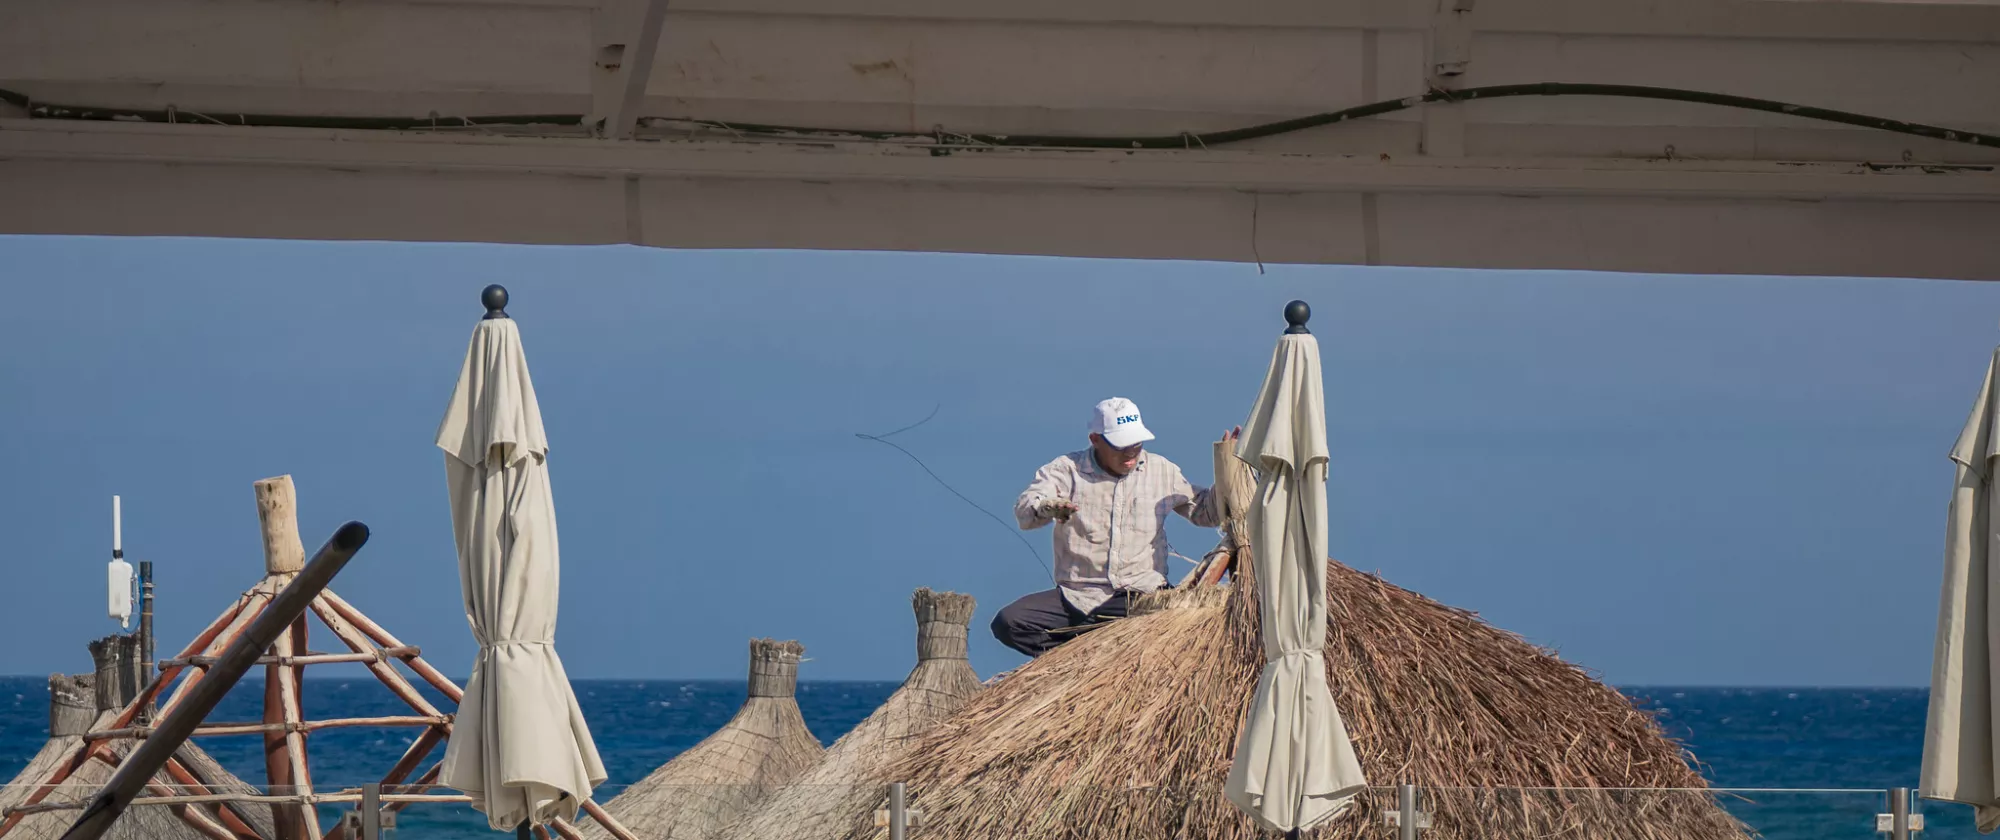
(284, 750)
(289, 818)
(278, 518)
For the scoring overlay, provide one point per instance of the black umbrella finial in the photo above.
(1296, 314)
(495, 299)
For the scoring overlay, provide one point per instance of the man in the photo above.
(1109, 504)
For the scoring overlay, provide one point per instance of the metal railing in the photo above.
(913, 811)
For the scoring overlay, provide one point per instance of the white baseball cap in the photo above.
(1117, 419)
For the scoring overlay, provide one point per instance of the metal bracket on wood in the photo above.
(1407, 819)
(1886, 823)
(1899, 823)
(913, 818)
(898, 817)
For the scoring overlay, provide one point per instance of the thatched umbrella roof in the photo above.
(1128, 731)
(139, 822)
(848, 785)
(722, 778)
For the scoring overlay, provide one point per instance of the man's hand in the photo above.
(1233, 434)
(1059, 510)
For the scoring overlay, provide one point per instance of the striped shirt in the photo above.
(1117, 539)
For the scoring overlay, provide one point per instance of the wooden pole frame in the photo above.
(139, 768)
(285, 725)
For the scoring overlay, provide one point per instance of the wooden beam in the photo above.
(232, 819)
(279, 767)
(309, 726)
(382, 670)
(295, 714)
(404, 767)
(196, 818)
(375, 655)
(343, 797)
(608, 822)
(254, 603)
(382, 637)
(1212, 575)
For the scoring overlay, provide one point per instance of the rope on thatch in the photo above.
(717, 781)
(1128, 733)
(848, 784)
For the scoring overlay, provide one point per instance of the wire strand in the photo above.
(884, 440)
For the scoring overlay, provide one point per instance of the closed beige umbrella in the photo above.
(1294, 766)
(519, 748)
(1959, 762)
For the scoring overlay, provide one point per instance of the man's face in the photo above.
(1118, 461)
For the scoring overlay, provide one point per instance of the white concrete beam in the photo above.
(1678, 217)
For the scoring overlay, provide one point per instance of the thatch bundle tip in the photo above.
(942, 622)
(774, 667)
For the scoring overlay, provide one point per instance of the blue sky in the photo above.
(1670, 479)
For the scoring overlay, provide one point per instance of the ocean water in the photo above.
(1823, 739)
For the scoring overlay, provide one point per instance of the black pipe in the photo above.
(235, 661)
(146, 670)
(1185, 140)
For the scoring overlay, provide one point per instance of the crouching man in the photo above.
(1109, 505)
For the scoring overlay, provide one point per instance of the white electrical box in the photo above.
(120, 591)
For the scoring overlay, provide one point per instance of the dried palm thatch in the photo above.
(139, 822)
(848, 784)
(722, 778)
(1127, 732)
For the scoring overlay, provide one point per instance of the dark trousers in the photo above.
(1025, 624)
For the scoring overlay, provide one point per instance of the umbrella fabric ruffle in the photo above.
(543, 771)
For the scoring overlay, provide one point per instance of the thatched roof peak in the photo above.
(942, 621)
(774, 667)
(72, 704)
(848, 783)
(766, 745)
